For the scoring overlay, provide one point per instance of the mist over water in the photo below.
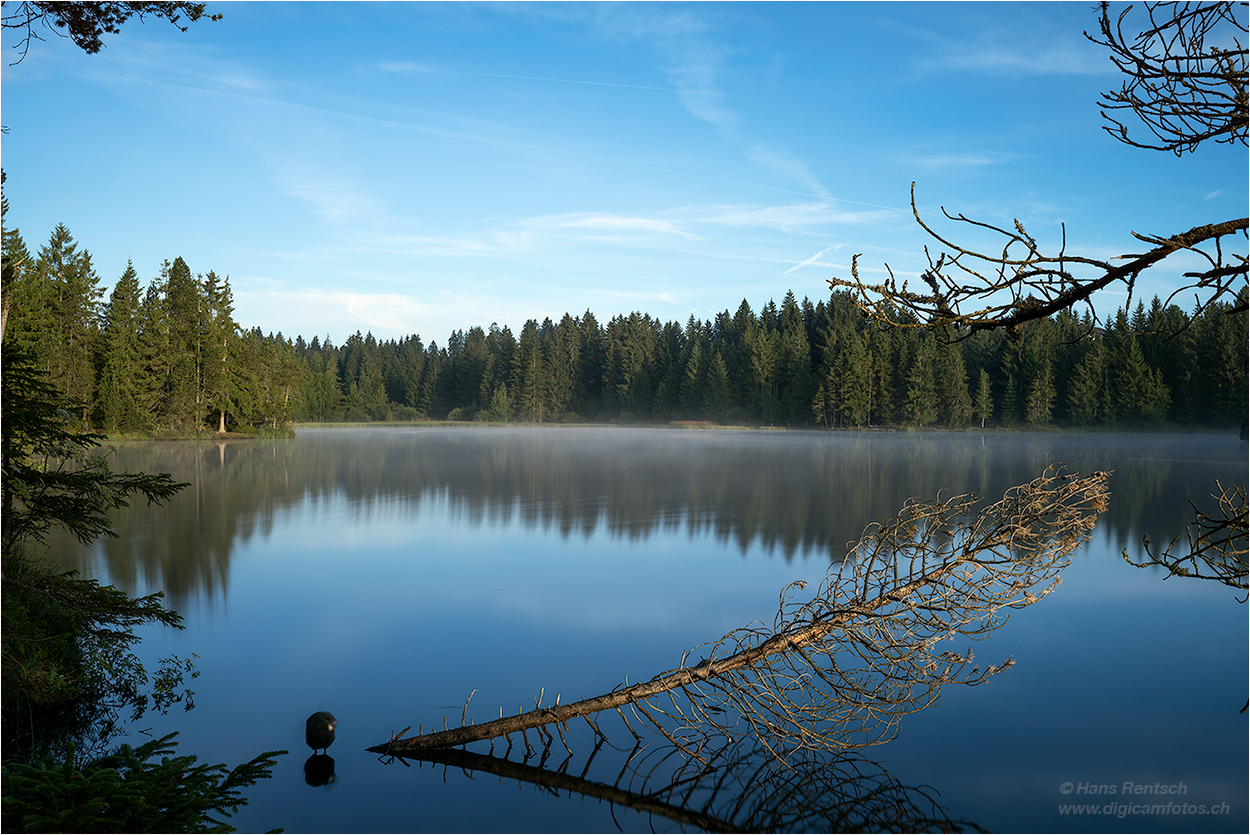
(384, 573)
(802, 495)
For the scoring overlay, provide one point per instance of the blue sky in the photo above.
(422, 167)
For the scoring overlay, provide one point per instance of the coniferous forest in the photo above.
(169, 358)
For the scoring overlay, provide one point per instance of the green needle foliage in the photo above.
(69, 672)
(129, 792)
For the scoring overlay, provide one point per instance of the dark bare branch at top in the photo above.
(1186, 74)
(968, 289)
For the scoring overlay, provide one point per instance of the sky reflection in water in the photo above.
(383, 574)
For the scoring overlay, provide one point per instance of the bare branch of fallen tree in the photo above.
(839, 671)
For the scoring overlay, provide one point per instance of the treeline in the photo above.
(172, 358)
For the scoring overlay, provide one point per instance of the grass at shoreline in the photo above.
(291, 430)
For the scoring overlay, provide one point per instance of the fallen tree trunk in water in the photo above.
(862, 652)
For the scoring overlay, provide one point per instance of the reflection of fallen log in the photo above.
(839, 671)
(557, 781)
(741, 792)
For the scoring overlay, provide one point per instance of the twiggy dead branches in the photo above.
(745, 790)
(1217, 543)
(839, 671)
(1186, 74)
(971, 289)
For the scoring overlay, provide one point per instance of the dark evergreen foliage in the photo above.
(175, 361)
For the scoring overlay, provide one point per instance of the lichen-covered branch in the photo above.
(967, 289)
(838, 671)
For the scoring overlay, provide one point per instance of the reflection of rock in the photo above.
(319, 770)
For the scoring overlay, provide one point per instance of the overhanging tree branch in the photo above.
(1183, 83)
(975, 289)
(86, 23)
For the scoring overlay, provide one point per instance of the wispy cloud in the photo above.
(610, 222)
(386, 313)
(814, 260)
(1067, 57)
(667, 298)
(789, 218)
(406, 68)
(690, 58)
(956, 160)
(790, 167)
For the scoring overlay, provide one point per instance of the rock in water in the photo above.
(319, 730)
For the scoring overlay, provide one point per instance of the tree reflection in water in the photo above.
(740, 788)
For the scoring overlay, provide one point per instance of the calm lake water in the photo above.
(384, 574)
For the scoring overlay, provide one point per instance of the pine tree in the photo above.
(154, 356)
(1011, 391)
(561, 350)
(24, 304)
(372, 390)
(763, 351)
(1140, 395)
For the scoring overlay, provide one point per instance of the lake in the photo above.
(388, 573)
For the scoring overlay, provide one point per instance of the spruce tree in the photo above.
(184, 307)
(121, 376)
(856, 383)
(1085, 391)
(797, 352)
(691, 397)
(985, 399)
(221, 382)
(154, 356)
(954, 402)
(72, 300)
(1041, 397)
(717, 394)
(922, 401)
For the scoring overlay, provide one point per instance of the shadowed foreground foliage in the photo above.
(69, 672)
